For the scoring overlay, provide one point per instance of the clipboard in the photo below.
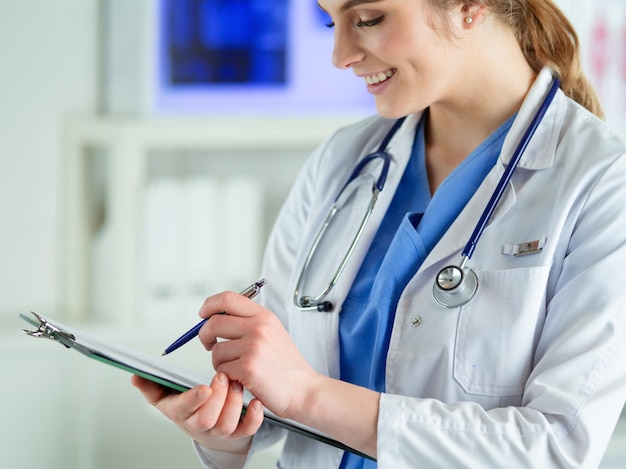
(168, 375)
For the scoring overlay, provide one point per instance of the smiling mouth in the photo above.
(379, 77)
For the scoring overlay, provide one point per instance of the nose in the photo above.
(346, 50)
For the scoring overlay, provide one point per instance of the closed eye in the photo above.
(369, 23)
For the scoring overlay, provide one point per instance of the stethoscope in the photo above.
(455, 285)
(318, 302)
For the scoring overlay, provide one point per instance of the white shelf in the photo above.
(127, 144)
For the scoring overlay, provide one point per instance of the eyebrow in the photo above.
(351, 4)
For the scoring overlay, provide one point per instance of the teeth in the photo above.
(378, 78)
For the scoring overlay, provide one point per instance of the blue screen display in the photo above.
(226, 41)
(250, 56)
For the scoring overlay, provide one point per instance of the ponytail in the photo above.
(547, 38)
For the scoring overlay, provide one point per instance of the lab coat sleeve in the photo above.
(220, 460)
(286, 237)
(217, 460)
(577, 387)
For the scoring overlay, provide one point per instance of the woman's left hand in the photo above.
(257, 351)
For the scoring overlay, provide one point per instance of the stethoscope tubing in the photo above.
(380, 182)
(470, 247)
(456, 285)
(318, 302)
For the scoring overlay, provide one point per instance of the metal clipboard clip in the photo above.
(47, 330)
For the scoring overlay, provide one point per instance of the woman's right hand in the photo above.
(211, 415)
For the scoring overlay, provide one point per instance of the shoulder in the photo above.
(585, 134)
(589, 166)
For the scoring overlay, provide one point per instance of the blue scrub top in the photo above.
(412, 226)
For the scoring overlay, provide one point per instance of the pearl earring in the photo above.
(469, 20)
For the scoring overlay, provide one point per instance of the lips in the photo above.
(379, 77)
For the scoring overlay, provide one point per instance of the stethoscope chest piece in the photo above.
(455, 286)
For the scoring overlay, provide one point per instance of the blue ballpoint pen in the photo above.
(250, 292)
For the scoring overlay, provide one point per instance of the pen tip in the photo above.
(163, 354)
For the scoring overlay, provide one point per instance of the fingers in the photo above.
(224, 310)
(211, 402)
(228, 420)
(152, 391)
(234, 421)
(213, 411)
(222, 327)
(180, 407)
(252, 419)
(228, 302)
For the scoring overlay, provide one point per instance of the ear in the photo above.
(471, 13)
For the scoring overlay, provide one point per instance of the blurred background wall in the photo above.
(92, 138)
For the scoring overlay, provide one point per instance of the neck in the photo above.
(491, 92)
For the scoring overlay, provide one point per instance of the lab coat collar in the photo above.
(541, 149)
(402, 142)
(539, 154)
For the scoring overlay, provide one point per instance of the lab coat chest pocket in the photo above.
(498, 330)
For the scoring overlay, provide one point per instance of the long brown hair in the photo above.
(547, 38)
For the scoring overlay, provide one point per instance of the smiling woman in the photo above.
(481, 103)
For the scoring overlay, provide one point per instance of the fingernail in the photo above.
(236, 386)
(222, 378)
(256, 406)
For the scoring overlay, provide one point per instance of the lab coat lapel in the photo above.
(457, 236)
(539, 155)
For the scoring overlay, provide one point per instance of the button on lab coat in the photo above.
(530, 373)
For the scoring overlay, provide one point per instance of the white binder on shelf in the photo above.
(162, 242)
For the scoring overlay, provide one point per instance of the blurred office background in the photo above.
(146, 147)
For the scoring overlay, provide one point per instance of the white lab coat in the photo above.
(530, 373)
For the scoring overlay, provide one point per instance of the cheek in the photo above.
(395, 48)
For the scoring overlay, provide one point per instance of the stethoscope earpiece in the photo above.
(325, 307)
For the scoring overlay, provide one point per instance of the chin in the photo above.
(390, 111)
